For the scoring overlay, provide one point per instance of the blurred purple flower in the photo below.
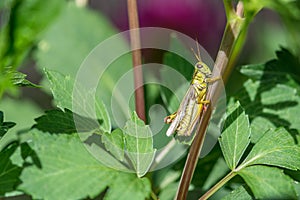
(200, 19)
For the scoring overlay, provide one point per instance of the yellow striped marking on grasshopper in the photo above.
(185, 119)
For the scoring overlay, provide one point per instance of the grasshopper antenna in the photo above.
(198, 50)
(197, 55)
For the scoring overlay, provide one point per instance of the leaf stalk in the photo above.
(217, 186)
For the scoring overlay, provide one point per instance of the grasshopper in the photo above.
(184, 120)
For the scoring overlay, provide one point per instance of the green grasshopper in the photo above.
(185, 119)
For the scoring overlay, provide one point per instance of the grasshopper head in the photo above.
(203, 68)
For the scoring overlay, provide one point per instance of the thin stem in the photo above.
(229, 9)
(218, 186)
(136, 58)
(192, 160)
(163, 154)
(153, 196)
(229, 41)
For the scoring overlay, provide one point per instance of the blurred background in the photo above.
(202, 20)
(59, 34)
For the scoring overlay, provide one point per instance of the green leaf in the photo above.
(114, 143)
(4, 126)
(11, 78)
(284, 69)
(275, 148)
(236, 135)
(21, 123)
(64, 51)
(12, 109)
(139, 144)
(268, 102)
(269, 105)
(268, 182)
(27, 19)
(24, 155)
(9, 173)
(83, 31)
(58, 121)
(239, 193)
(19, 79)
(102, 114)
(6, 85)
(66, 164)
(62, 89)
(123, 188)
(169, 192)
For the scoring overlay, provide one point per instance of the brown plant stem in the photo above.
(136, 58)
(234, 31)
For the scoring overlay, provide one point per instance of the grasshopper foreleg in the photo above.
(212, 80)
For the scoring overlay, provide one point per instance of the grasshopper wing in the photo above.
(188, 101)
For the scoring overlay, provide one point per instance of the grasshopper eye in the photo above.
(199, 65)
